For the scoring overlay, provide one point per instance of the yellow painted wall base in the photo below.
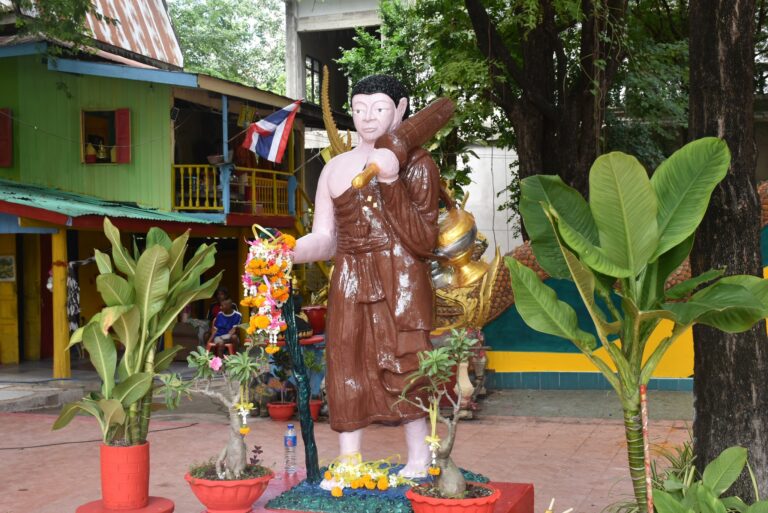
(677, 362)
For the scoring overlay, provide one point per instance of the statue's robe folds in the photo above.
(380, 300)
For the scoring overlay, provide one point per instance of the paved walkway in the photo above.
(580, 461)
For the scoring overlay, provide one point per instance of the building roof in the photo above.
(144, 29)
(61, 207)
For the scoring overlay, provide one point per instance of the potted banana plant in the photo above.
(619, 249)
(448, 491)
(144, 293)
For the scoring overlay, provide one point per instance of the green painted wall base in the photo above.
(573, 381)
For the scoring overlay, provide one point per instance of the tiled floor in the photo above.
(581, 462)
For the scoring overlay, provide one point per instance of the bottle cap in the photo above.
(290, 426)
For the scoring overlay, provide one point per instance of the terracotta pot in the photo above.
(228, 496)
(125, 476)
(314, 408)
(281, 411)
(316, 316)
(422, 504)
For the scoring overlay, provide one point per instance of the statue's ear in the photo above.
(401, 106)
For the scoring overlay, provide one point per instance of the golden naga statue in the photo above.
(469, 291)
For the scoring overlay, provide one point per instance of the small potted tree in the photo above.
(283, 409)
(315, 367)
(449, 491)
(144, 293)
(231, 483)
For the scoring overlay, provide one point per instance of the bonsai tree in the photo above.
(233, 374)
(144, 293)
(436, 368)
(619, 249)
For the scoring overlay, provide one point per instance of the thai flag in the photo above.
(268, 137)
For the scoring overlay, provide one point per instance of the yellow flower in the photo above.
(369, 484)
(434, 471)
(271, 349)
(261, 322)
(383, 484)
(337, 492)
(328, 476)
(357, 483)
(245, 430)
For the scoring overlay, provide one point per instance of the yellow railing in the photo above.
(195, 187)
(259, 191)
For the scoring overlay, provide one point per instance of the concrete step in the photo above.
(29, 396)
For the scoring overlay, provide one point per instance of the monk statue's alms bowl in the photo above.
(456, 244)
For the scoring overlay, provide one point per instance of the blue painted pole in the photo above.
(226, 171)
(292, 186)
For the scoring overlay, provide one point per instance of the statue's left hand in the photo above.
(389, 166)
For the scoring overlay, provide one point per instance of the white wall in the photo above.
(491, 174)
(324, 7)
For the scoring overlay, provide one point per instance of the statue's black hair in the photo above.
(386, 84)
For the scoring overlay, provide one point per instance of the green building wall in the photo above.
(47, 106)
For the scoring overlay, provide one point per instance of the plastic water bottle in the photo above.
(289, 441)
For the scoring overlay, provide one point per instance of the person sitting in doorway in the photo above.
(220, 295)
(224, 331)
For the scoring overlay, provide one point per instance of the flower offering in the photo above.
(266, 285)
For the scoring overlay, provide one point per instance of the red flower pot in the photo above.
(228, 496)
(125, 476)
(281, 411)
(125, 482)
(316, 316)
(422, 504)
(314, 408)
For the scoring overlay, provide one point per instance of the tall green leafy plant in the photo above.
(144, 293)
(630, 236)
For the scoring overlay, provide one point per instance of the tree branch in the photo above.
(492, 46)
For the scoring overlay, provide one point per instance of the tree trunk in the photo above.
(730, 371)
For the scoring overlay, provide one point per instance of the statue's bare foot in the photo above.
(329, 484)
(415, 469)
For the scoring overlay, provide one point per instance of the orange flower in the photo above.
(434, 471)
(261, 321)
(245, 430)
(289, 241)
(327, 476)
(383, 484)
(271, 349)
(337, 492)
(262, 289)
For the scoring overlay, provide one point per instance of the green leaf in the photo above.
(114, 290)
(203, 259)
(736, 504)
(724, 470)
(67, 413)
(731, 308)
(683, 185)
(76, 337)
(708, 501)
(552, 191)
(103, 262)
(103, 355)
(133, 388)
(539, 307)
(592, 255)
(684, 288)
(624, 207)
(112, 314)
(757, 286)
(666, 503)
(123, 260)
(158, 237)
(113, 412)
(164, 358)
(176, 255)
(126, 328)
(151, 283)
(169, 315)
(757, 507)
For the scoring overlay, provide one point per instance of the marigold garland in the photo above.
(266, 285)
(356, 474)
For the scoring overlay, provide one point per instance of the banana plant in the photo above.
(144, 293)
(626, 241)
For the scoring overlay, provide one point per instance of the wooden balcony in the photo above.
(198, 188)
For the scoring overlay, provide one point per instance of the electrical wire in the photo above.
(88, 441)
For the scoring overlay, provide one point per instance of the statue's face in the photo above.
(376, 114)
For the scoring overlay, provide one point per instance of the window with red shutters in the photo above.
(106, 136)
(6, 138)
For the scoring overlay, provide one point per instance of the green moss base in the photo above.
(309, 497)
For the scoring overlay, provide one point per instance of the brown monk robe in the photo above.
(380, 304)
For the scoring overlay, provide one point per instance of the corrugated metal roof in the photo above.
(144, 28)
(77, 205)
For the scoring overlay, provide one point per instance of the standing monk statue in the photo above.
(380, 300)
